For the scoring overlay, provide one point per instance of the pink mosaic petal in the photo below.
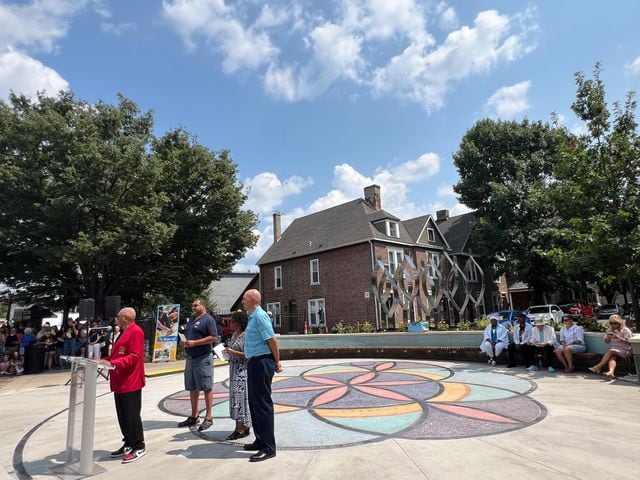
(363, 378)
(380, 392)
(473, 413)
(331, 395)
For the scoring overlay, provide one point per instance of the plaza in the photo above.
(353, 418)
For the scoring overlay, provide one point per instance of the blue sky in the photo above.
(317, 99)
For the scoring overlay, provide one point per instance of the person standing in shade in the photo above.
(261, 350)
(201, 334)
(238, 391)
(126, 381)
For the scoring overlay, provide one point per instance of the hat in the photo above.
(493, 317)
(539, 321)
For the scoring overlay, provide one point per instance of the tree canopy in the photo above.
(557, 206)
(93, 204)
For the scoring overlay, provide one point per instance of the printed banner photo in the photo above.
(166, 344)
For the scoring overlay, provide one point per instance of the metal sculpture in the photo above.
(410, 286)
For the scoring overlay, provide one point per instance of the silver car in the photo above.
(550, 314)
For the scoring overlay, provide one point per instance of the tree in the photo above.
(600, 174)
(504, 170)
(94, 205)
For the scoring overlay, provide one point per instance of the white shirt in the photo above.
(568, 336)
(502, 335)
(526, 336)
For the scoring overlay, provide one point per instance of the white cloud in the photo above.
(38, 24)
(382, 46)
(446, 190)
(425, 76)
(447, 16)
(219, 24)
(508, 102)
(266, 192)
(24, 75)
(633, 68)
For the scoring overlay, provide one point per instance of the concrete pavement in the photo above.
(585, 428)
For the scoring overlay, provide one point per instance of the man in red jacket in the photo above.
(127, 380)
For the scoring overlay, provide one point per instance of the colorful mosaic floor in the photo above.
(328, 406)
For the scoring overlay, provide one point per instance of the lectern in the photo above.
(84, 374)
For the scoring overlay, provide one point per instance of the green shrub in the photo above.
(482, 323)
(442, 326)
(367, 327)
(464, 325)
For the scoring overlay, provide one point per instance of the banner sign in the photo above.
(166, 344)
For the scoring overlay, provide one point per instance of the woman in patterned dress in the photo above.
(617, 336)
(238, 394)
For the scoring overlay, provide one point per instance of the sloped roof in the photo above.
(225, 292)
(347, 224)
(457, 230)
(416, 226)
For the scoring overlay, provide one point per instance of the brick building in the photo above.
(320, 268)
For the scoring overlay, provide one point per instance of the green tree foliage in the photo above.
(597, 191)
(504, 170)
(92, 204)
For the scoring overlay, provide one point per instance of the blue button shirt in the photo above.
(259, 330)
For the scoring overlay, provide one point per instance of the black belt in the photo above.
(267, 355)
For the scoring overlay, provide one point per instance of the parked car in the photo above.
(507, 316)
(577, 309)
(605, 311)
(548, 313)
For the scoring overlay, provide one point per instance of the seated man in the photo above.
(571, 341)
(496, 339)
(543, 341)
(521, 336)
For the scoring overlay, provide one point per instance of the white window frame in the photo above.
(313, 307)
(275, 309)
(395, 232)
(434, 261)
(395, 256)
(314, 281)
(277, 277)
(471, 271)
(431, 235)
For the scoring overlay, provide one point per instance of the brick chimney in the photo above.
(372, 196)
(442, 215)
(277, 226)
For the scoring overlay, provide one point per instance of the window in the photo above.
(314, 271)
(431, 235)
(392, 229)
(277, 278)
(316, 313)
(434, 264)
(395, 259)
(274, 308)
(471, 271)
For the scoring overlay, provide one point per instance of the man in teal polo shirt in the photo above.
(261, 349)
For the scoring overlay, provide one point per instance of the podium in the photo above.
(84, 374)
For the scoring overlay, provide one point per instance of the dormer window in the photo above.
(431, 235)
(392, 229)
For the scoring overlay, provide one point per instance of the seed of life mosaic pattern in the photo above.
(328, 406)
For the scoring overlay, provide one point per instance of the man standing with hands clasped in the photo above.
(126, 381)
(200, 335)
(261, 349)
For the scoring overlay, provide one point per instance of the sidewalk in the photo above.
(566, 432)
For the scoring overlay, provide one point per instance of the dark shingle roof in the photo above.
(347, 224)
(414, 226)
(225, 292)
(457, 230)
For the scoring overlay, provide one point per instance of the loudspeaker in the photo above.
(111, 306)
(86, 310)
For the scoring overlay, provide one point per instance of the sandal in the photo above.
(594, 370)
(610, 376)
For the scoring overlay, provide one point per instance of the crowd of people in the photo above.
(540, 346)
(73, 339)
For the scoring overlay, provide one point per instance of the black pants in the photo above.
(546, 351)
(513, 348)
(128, 407)
(260, 372)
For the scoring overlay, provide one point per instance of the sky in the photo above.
(317, 99)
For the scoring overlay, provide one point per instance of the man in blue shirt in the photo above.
(200, 333)
(261, 348)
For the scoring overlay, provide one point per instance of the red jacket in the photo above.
(127, 356)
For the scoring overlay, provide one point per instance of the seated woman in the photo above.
(17, 365)
(617, 335)
(238, 392)
(5, 365)
(571, 341)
